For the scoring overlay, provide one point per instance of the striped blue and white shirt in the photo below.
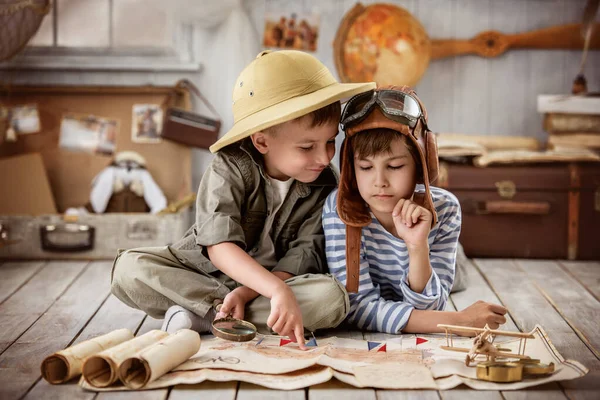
(384, 300)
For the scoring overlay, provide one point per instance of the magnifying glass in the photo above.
(236, 330)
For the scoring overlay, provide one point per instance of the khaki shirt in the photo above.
(232, 207)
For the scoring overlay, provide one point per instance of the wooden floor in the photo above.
(46, 306)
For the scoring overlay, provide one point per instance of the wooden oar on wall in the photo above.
(494, 43)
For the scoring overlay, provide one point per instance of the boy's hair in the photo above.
(373, 142)
(315, 118)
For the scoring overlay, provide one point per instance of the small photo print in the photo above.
(24, 119)
(291, 31)
(146, 123)
(89, 133)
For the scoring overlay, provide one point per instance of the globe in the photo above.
(382, 43)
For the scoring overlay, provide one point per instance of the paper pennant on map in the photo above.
(375, 345)
(259, 341)
(312, 343)
(372, 345)
(421, 340)
(283, 342)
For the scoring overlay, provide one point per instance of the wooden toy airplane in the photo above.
(483, 343)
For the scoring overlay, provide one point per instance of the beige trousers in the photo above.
(152, 279)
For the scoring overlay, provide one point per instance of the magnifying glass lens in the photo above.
(234, 329)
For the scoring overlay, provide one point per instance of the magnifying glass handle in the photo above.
(217, 304)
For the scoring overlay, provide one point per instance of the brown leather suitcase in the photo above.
(528, 211)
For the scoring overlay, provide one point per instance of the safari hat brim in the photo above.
(289, 110)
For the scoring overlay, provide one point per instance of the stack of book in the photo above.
(572, 122)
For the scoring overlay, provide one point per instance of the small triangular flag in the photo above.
(421, 340)
(312, 343)
(383, 348)
(372, 345)
(283, 342)
(259, 341)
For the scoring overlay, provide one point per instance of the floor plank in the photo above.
(248, 391)
(575, 304)
(206, 391)
(149, 324)
(587, 273)
(15, 274)
(529, 307)
(407, 395)
(20, 363)
(112, 315)
(158, 394)
(22, 309)
(550, 391)
(478, 289)
(336, 390)
(462, 393)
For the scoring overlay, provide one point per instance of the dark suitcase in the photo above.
(528, 211)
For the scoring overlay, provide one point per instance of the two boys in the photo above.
(258, 244)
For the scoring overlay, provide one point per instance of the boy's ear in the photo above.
(260, 141)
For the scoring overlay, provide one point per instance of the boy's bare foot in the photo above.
(177, 318)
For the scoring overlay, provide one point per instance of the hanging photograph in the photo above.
(291, 30)
(146, 123)
(88, 133)
(24, 119)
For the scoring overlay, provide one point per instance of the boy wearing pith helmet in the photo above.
(257, 243)
(390, 236)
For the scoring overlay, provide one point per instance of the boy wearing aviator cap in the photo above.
(391, 238)
(257, 243)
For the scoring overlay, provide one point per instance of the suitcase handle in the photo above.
(513, 207)
(69, 237)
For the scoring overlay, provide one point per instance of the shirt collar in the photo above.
(328, 177)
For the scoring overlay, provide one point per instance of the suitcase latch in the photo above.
(5, 239)
(3, 235)
(506, 189)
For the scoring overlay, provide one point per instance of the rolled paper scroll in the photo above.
(101, 370)
(153, 362)
(67, 364)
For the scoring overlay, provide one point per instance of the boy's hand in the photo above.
(233, 304)
(412, 222)
(286, 317)
(481, 313)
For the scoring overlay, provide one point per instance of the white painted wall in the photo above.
(464, 94)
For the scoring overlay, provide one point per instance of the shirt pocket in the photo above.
(253, 224)
(288, 234)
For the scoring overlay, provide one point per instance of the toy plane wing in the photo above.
(467, 329)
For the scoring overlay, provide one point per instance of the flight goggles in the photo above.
(395, 105)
